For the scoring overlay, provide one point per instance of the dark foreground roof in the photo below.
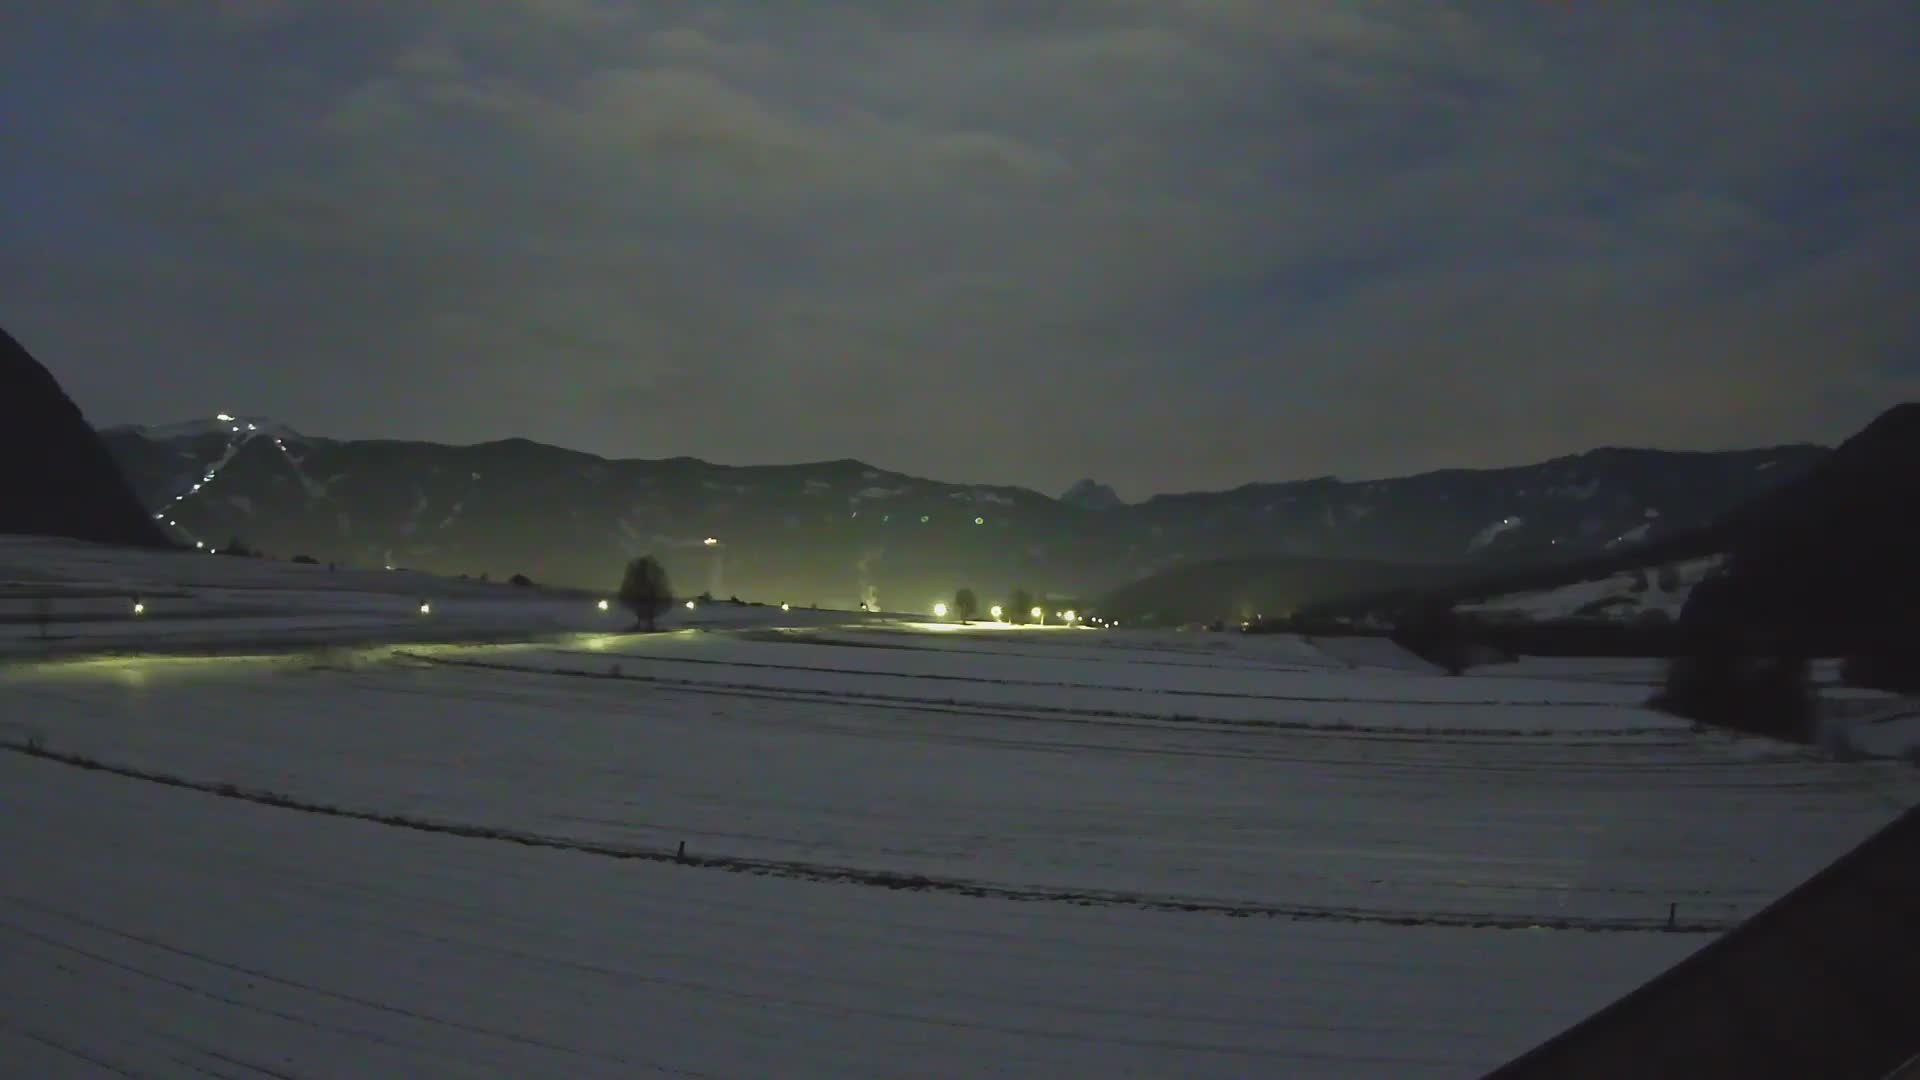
(1825, 982)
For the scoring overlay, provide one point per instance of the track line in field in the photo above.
(887, 879)
(1029, 711)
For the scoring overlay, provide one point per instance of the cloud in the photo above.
(1174, 243)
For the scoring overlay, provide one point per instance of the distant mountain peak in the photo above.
(1088, 495)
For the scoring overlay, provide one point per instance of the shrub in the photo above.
(1435, 634)
(306, 560)
(1765, 695)
(1886, 668)
(521, 580)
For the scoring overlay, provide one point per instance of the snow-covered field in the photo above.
(911, 849)
(194, 602)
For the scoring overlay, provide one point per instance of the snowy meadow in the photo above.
(304, 829)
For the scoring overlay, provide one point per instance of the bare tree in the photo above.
(966, 605)
(645, 591)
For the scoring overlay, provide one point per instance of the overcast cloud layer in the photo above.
(1173, 244)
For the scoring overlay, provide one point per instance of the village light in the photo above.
(710, 541)
(786, 607)
(939, 611)
(689, 605)
(139, 608)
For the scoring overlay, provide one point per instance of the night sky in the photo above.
(1171, 244)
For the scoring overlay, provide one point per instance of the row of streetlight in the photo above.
(1037, 614)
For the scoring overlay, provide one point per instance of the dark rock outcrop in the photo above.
(56, 477)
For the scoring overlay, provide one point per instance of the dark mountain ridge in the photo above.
(840, 532)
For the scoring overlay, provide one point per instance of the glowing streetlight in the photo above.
(689, 605)
(939, 611)
(1039, 614)
(426, 608)
(786, 607)
(710, 541)
(139, 608)
(1067, 617)
(996, 611)
(200, 544)
(603, 605)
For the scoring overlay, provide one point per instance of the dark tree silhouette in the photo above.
(1018, 606)
(1736, 671)
(966, 605)
(1435, 634)
(645, 591)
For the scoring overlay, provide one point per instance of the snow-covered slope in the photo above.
(1622, 597)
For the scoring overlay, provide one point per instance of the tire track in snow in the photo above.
(894, 880)
(1028, 711)
(1232, 695)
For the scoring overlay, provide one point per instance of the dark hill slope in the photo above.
(56, 477)
(1830, 562)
